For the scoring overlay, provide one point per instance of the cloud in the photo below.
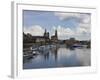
(83, 28)
(35, 30)
(63, 16)
(83, 17)
(63, 32)
(79, 33)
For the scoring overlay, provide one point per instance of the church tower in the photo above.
(46, 34)
(54, 38)
(56, 35)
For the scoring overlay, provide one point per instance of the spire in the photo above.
(45, 31)
(56, 33)
(46, 34)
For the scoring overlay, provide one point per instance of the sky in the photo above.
(67, 24)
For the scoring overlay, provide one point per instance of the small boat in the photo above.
(77, 46)
(33, 49)
(35, 52)
(28, 56)
(52, 46)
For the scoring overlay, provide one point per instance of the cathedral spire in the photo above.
(56, 33)
(46, 34)
(45, 30)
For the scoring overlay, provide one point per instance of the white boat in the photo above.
(79, 46)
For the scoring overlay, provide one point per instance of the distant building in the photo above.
(46, 34)
(41, 39)
(54, 38)
(44, 38)
(27, 38)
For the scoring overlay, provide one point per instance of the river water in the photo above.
(61, 57)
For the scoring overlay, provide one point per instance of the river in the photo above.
(59, 57)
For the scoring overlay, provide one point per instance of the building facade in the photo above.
(54, 38)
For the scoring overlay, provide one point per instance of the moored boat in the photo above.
(79, 46)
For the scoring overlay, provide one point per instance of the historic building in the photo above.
(46, 34)
(54, 38)
(41, 39)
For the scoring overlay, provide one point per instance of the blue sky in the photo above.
(67, 24)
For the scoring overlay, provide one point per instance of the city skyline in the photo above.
(67, 24)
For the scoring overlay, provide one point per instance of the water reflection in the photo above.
(59, 57)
